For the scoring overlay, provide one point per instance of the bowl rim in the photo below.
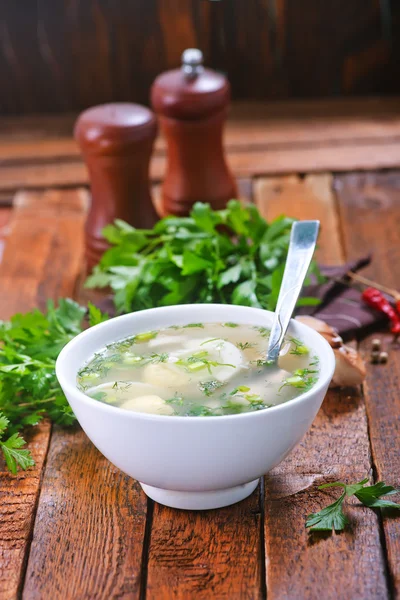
(70, 387)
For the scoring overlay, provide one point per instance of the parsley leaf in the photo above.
(95, 315)
(332, 516)
(11, 449)
(371, 496)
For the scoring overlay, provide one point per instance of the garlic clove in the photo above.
(350, 368)
(328, 332)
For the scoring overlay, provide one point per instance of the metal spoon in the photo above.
(303, 238)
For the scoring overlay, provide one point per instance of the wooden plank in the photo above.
(260, 139)
(237, 50)
(266, 51)
(89, 530)
(243, 163)
(336, 447)
(43, 235)
(45, 175)
(89, 514)
(303, 566)
(203, 555)
(29, 270)
(370, 207)
(23, 74)
(324, 35)
(250, 125)
(360, 110)
(310, 195)
(305, 159)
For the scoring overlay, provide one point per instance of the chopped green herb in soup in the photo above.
(199, 369)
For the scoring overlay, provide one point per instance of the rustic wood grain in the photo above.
(250, 125)
(370, 207)
(238, 49)
(299, 565)
(244, 163)
(276, 160)
(311, 195)
(260, 139)
(58, 55)
(324, 35)
(44, 233)
(25, 86)
(92, 517)
(212, 554)
(183, 25)
(63, 55)
(310, 566)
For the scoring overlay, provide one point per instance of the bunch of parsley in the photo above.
(29, 390)
(231, 256)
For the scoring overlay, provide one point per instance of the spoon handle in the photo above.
(303, 238)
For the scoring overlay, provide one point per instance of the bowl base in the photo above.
(200, 500)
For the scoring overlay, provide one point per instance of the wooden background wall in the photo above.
(58, 55)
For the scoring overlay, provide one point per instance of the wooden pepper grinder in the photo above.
(116, 141)
(191, 104)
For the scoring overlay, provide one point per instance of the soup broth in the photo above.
(208, 369)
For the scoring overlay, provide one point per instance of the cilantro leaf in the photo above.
(3, 424)
(371, 496)
(11, 448)
(329, 518)
(13, 454)
(332, 516)
(95, 315)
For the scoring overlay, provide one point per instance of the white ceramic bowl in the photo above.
(192, 462)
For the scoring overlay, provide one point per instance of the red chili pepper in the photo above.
(375, 299)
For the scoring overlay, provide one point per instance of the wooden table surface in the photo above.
(76, 527)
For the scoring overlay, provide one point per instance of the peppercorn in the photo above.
(383, 357)
(375, 357)
(376, 344)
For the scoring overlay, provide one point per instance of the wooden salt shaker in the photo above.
(191, 104)
(116, 141)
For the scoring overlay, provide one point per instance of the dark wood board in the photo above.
(41, 257)
(211, 554)
(260, 139)
(59, 55)
(299, 564)
(88, 512)
(370, 211)
(93, 518)
(96, 535)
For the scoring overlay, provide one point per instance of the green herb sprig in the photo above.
(230, 256)
(332, 516)
(29, 390)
